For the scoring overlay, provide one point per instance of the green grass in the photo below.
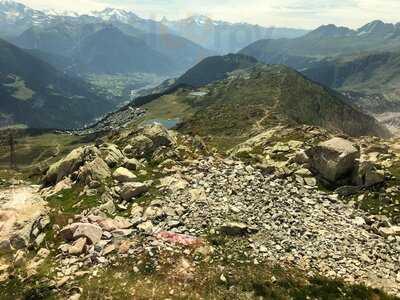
(35, 149)
(21, 91)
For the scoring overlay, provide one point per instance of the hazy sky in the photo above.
(289, 13)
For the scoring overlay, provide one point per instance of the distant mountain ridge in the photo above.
(375, 75)
(35, 94)
(124, 54)
(215, 68)
(218, 36)
(157, 53)
(326, 41)
(225, 37)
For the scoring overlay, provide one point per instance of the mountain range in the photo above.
(217, 36)
(35, 94)
(224, 37)
(374, 77)
(326, 41)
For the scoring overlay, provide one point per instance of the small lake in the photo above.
(168, 123)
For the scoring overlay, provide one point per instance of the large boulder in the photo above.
(75, 231)
(111, 155)
(65, 166)
(96, 170)
(159, 135)
(139, 146)
(71, 163)
(133, 189)
(148, 140)
(334, 159)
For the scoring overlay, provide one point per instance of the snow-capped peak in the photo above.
(109, 14)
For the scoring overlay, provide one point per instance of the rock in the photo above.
(301, 158)
(140, 146)
(64, 184)
(132, 189)
(43, 222)
(147, 227)
(377, 148)
(159, 135)
(368, 174)
(347, 190)
(153, 213)
(92, 232)
(78, 247)
(108, 249)
(19, 240)
(124, 175)
(179, 239)
(43, 253)
(235, 228)
(65, 166)
(120, 233)
(148, 139)
(113, 224)
(198, 194)
(390, 231)
(111, 155)
(96, 170)
(334, 159)
(67, 232)
(19, 258)
(4, 277)
(62, 281)
(173, 183)
(108, 207)
(5, 246)
(40, 239)
(132, 164)
(359, 221)
(136, 211)
(310, 181)
(303, 172)
(76, 296)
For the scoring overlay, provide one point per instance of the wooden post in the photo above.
(11, 143)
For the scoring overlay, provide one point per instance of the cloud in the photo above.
(289, 13)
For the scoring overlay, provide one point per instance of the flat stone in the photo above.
(78, 247)
(133, 189)
(124, 175)
(147, 227)
(90, 231)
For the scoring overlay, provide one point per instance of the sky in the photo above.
(283, 13)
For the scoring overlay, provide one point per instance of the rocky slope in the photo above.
(160, 205)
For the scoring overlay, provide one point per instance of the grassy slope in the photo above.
(38, 95)
(369, 73)
(233, 108)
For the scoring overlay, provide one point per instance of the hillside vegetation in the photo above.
(34, 93)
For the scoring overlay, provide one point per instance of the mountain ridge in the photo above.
(51, 100)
